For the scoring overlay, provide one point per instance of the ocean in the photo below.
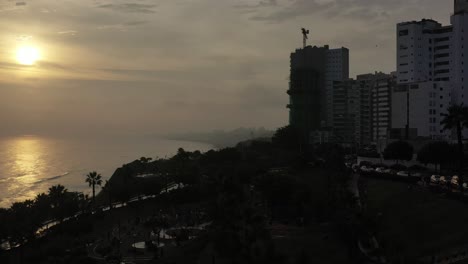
(31, 164)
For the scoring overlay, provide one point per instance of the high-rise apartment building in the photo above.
(310, 88)
(381, 105)
(351, 111)
(461, 5)
(432, 73)
(345, 103)
(337, 69)
(362, 108)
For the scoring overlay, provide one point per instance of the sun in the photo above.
(27, 55)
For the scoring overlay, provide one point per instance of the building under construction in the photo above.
(313, 71)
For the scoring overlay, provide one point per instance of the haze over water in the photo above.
(31, 164)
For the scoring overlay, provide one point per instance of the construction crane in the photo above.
(305, 32)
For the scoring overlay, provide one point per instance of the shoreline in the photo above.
(42, 176)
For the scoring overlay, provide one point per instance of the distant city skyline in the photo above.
(164, 66)
(409, 103)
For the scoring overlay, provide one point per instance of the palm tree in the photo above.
(83, 202)
(57, 197)
(42, 206)
(93, 179)
(457, 117)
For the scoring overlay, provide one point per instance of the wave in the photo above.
(37, 182)
(52, 178)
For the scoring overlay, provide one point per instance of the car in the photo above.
(455, 180)
(435, 179)
(380, 170)
(402, 173)
(366, 169)
(444, 180)
(408, 174)
(389, 171)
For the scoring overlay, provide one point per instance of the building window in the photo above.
(442, 47)
(443, 55)
(404, 32)
(441, 63)
(442, 71)
(441, 39)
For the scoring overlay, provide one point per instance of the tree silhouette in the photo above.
(42, 206)
(399, 150)
(57, 196)
(83, 202)
(287, 137)
(93, 179)
(145, 160)
(456, 118)
(437, 153)
(107, 188)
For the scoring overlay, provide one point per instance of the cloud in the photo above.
(23, 37)
(136, 23)
(263, 3)
(68, 33)
(357, 9)
(8, 6)
(55, 66)
(131, 8)
(11, 66)
(122, 26)
(40, 65)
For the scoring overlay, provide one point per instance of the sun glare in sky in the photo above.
(27, 55)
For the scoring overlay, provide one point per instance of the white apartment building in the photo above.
(432, 73)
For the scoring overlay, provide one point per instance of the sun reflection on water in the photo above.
(26, 164)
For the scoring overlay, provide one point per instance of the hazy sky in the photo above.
(140, 66)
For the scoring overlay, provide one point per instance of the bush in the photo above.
(287, 137)
(103, 249)
(418, 168)
(399, 150)
(381, 165)
(369, 154)
(437, 152)
(398, 167)
(365, 163)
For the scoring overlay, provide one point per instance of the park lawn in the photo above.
(318, 180)
(416, 222)
(319, 242)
